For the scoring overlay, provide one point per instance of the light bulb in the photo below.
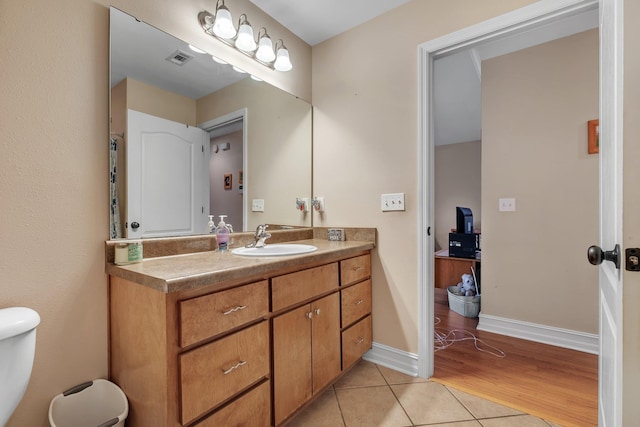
(223, 24)
(283, 63)
(245, 39)
(265, 49)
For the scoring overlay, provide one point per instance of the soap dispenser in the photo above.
(222, 234)
(211, 225)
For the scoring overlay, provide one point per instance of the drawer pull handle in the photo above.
(233, 310)
(357, 268)
(360, 341)
(234, 367)
(360, 302)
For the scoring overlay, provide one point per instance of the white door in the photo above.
(611, 66)
(167, 182)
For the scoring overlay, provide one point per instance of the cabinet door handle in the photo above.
(360, 302)
(234, 309)
(360, 341)
(234, 367)
(316, 312)
(309, 315)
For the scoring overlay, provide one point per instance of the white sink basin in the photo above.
(278, 249)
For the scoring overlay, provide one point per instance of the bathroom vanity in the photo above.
(216, 339)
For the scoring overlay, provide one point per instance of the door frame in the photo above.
(528, 17)
(209, 125)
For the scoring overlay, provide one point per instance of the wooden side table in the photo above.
(449, 270)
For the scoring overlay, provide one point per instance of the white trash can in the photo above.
(98, 403)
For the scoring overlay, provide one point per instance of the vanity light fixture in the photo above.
(220, 26)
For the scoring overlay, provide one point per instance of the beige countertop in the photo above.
(188, 271)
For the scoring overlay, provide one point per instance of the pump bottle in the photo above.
(222, 234)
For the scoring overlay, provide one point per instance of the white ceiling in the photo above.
(315, 21)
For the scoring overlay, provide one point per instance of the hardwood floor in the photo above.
(553, 383)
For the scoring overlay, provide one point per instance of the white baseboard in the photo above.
(407, 363)
(566, 338)
(392, 358)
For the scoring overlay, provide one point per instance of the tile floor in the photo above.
(374, 396)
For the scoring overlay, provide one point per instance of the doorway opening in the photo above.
(227, 166)
(520, 23)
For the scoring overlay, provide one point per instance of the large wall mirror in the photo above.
(191, 138)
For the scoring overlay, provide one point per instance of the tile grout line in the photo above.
(335, 396)
(394, 395)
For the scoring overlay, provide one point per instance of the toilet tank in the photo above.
(17, 350)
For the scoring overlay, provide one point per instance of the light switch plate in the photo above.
(257, 205)
(392, 202)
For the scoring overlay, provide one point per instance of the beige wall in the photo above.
(279, 148)
(365, 142)
(458, 169)
(161, 103)
(54, 127)
(535, 108)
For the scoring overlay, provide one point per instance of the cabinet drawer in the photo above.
(356, 302)
(212, 314)
(216, 371)
(355, 342)
(355, 269)
(252, 409)
(292, 288)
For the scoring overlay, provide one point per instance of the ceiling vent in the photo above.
(179, 57)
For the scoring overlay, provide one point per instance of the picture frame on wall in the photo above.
(228, 179)
(593, 132)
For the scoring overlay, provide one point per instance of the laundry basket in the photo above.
(98, 403)
(463, 305)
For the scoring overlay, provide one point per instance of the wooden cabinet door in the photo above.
(325, 340)
(291, 361)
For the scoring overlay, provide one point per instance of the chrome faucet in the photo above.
(260, 236)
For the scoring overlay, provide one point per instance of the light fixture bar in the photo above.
(242, 40)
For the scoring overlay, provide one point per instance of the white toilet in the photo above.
(17, 350)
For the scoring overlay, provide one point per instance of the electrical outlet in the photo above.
(507, 205)
(392, 202)
(257, 205)
(335, 234)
